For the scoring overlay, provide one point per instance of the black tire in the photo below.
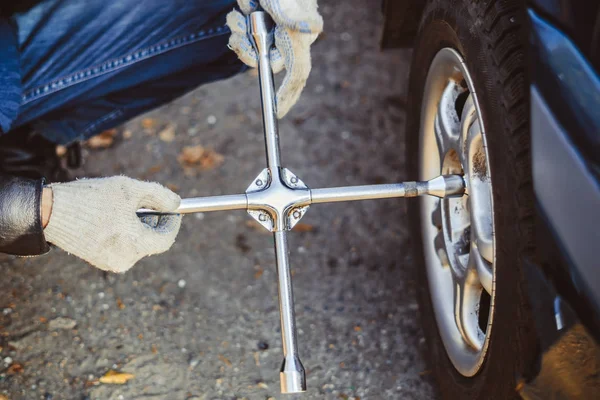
(491, 36)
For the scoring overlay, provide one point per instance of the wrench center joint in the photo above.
(278, 199)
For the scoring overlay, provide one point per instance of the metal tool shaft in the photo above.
(292, 375)
(261, 31)
(441, 186)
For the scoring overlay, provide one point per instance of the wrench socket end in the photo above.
(292, 376)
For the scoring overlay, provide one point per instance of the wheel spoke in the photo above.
(436, 215)
(480, 192)
(483, 237)
(483, 269)
(440, 249)
(468, 116)
(466, 308)
(447, 124)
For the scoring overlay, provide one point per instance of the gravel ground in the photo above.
(202, 322)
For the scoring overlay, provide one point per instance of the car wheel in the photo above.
(469, 115)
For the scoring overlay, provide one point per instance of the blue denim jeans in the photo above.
(90, 65)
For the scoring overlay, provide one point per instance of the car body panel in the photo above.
(577, 19)
(565, 128)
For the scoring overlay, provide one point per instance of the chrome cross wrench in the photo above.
(278, 199)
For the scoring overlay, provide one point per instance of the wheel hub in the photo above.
(458, 233)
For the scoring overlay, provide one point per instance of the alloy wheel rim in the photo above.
(458, 233)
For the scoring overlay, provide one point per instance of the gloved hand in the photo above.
(96, 220)
(298, 25)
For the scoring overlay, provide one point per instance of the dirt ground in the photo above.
(202, 321)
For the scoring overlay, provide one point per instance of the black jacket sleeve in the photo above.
(21, 231)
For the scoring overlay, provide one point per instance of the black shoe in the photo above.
(27, 154)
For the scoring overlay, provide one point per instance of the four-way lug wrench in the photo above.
(278, 199)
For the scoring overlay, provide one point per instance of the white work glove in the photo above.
(96, 220)
(298, 25)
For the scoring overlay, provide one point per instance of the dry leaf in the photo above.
(262, 385)
(120, 304)
(154, 169)
(199, 156)
(302, 227)
(154, 349)
(259, 272)
(116, 378)
(148, 123)
(15, 369)
(167, 134)
(3, 397)
(225, 360)
(103, 140)
(357, 328)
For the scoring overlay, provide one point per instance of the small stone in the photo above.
(194, 362)
(7, 311)
(345, 135)
(262, 345)
(127, 134)
(168, 134)
(199, 216)
(8, 360)
(105, 306)
(101, 295)
(48, 396)
(61, 323)
(211, 120)
(181, 283)
(346, 36)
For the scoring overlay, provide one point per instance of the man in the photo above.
(70, 69)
